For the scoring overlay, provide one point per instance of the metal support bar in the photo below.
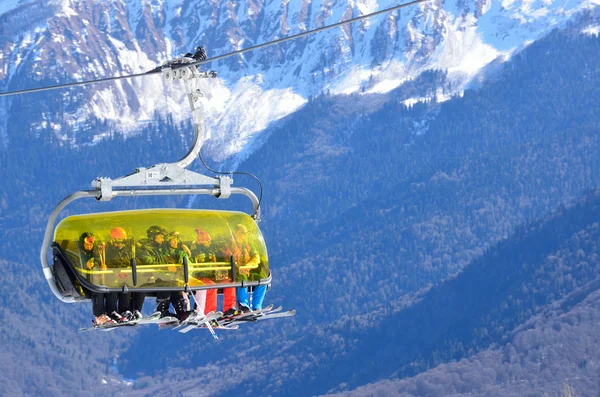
(48, 236)
(233, 271)
(134, 271)
(172, 174)
(186, 270)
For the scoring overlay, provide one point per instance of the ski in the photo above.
(251, 316)
(260, 316)
(161, 320)
(107, 327)
(195, 319)
(241, 316)
(215, 328)
(225, 327)
(201, 321)
(152, 319)
(289, 313)
(168, 323)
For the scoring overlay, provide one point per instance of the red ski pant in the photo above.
(229, 300)
(210, 304)
(211, 301)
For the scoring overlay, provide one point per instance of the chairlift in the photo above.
(73, 278)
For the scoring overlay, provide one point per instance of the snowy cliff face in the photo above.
(70, 40)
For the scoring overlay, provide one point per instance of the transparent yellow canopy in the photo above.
(157, 248)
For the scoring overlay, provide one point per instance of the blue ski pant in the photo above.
(258, 295)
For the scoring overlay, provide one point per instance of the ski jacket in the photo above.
(90, 259)
(150, 252)
(203, 254)
(245, 254)
(119, 258)
(174, 255)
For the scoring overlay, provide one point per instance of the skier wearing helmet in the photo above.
(247, 256)
(119, 253)
(202, 252)
(91, 255)
(152, 250)
(175, 251)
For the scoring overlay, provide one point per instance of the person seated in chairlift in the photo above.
(92, 258)
(152, 250)
(223, 252)
(119, 253)
(175, 252)
(246, 255)
(203, 252)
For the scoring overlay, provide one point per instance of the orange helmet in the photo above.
(118, 233)
(203, 235)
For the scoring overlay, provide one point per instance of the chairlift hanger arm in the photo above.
(170, 175)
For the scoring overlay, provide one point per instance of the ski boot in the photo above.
(181, 305)
(230, 312)
(163, 308)
(117, 317)
(102, 320)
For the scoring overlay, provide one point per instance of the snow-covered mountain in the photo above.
(69, 40)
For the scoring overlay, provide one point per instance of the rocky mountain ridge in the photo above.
(66, 41)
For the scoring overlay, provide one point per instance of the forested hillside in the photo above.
(541, 263)
(554, 354)
(369, 200)
(42, 352)
(396, 199)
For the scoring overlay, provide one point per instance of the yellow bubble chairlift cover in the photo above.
(219, 248)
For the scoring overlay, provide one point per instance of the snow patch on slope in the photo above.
(249, 110)
(372, 56)
(245, 101)
(592, 30)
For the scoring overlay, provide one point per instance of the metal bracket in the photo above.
(104, 185)
(161, 176)
(225, 186)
